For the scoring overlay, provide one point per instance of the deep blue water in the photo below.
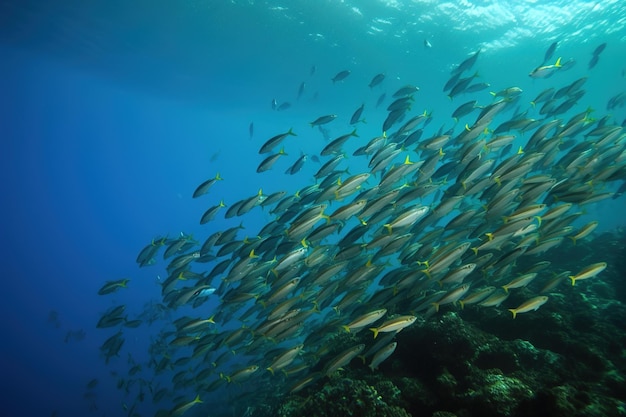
(112, 114)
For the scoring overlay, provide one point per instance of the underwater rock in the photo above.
(343, 397)
(499, 395)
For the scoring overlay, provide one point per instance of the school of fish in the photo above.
(438, 221)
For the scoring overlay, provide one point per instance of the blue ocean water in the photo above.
(112, 113)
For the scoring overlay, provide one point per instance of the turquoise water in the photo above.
(113, 114)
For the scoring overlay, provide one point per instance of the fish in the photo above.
(205, 292)
(350, 185)
(340, 76)
(401, 104)
(461, 86)
(588, 272)
(274, 141)
(382, 355)
(467, 64)
(544, 245)
(550, 51)
(477, 296)
(356, 116)
(301, 89)
(211, 212)
(206, 185)
(452, 81)
(322, 120)
(285, 358)
(520, 281)
(544, 96)
(530, 305)
(546, 71)
(381, 99)
(451, 296)
(585, 231)
(599, 49)
(335, 145)
(376, 80)
(240, 374)
(427, 44)
(251, 129)
(182, 408)
(406, 91)
(495, 299)
(112, 346)
(407, 218)
(297, 165)
(365, 320)
(464, 109)
(457, 275)
(474, 88)
(299, 385)
(147, 254)
(112, 286)
(329, 166)
(283, 106)
(395, 324)
(112, 317)
(269, 162)
(508, 92)
(442, 260)
(342, 359)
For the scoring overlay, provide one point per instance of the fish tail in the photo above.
(375, 330)
(573, 278)
(346, 328)
(513, 311)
